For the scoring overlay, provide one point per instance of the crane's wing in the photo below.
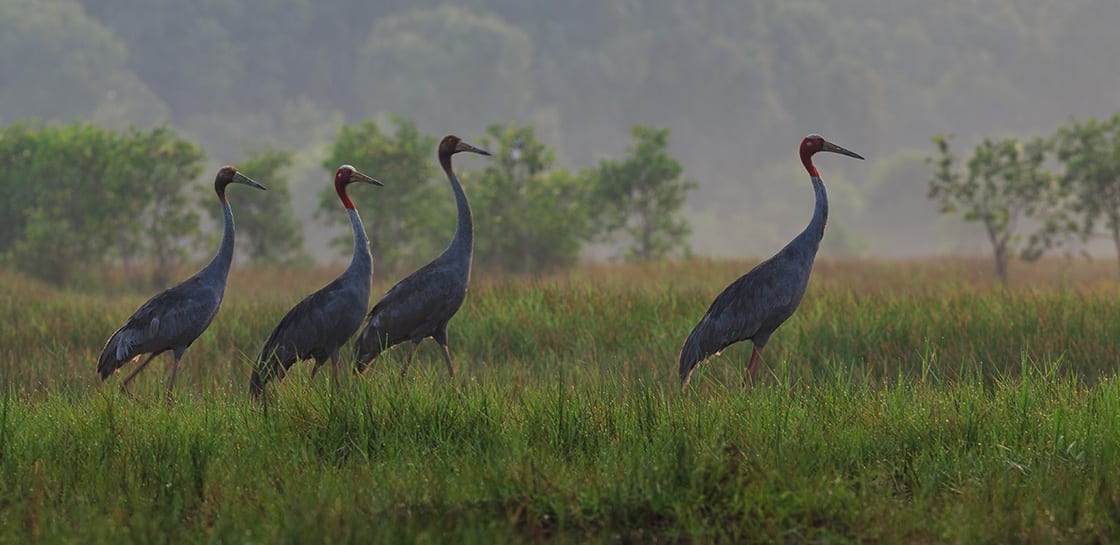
(171, 319)
(750, 308)
(414, 308)
(315, 326)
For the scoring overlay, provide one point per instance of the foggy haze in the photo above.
(739, 83)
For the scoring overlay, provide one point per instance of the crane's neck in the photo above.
(362, 262)
(218, 268)
(462, 244)
(814, 232)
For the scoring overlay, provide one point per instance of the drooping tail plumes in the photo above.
(115, 354)
(264, 371)
(692, 355)
(369, 345)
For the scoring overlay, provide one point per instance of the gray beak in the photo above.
(240, 178)
(829, 146)
(362, 177)
(463, 146)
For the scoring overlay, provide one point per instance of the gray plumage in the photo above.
(174, 318)
(756, 304)
(422, 304)
(318, 326)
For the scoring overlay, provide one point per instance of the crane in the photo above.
(321, 323)
(756, 304)
(421, 305)
(174, 318)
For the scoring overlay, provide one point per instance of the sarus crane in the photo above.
(319, 325)
(753, 306)
(175, 317)
(421, 305)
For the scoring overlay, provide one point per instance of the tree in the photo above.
(110, 198)
(1090, 152)
(268, 231)
(18, 145)
(412, 217)
(1005, 184)
(528, 217)
(643, 195)
(163, 170)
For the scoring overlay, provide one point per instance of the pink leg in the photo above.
(124, 385)
(447, 358)
(171, 381)
(752, 367)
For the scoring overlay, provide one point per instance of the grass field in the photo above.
(904, 402)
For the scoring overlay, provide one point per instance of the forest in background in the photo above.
(738, 84)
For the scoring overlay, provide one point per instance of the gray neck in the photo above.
(362, 263)
(462, 244)
(814, 232)
(218, 268)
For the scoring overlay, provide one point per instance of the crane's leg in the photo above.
(447, 358)
(441, 338)
(408, 360)
(132, 375)
(336, 362)
(171, 381)
(752, 366)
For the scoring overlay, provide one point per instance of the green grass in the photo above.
(904, 402)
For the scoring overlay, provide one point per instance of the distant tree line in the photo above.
(1035, 195)
(529, 215)
(80, 199)
(739, 83)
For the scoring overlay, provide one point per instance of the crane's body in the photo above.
(756, 304)
(318, 326)
(421, 305)
(174, 318)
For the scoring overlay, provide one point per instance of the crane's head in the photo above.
(346, 175)
(229, 175)
(451, 144)
(814, 143)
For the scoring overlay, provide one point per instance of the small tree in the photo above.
(110, 196)
(1005, 183)
(271, 232)
(643, 195)
(162, 171)
(1090, 152)
(412, 217)
(529, 218)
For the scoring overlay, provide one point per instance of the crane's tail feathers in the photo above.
(371, 342)
(264, 371)
(692, 355)
(114, 355)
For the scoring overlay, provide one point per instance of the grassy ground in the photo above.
(904, 402)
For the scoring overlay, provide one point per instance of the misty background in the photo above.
(738, 83)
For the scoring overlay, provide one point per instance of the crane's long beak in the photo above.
(240, 178)
(362, 177)
(463, 146)
(829, 146)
